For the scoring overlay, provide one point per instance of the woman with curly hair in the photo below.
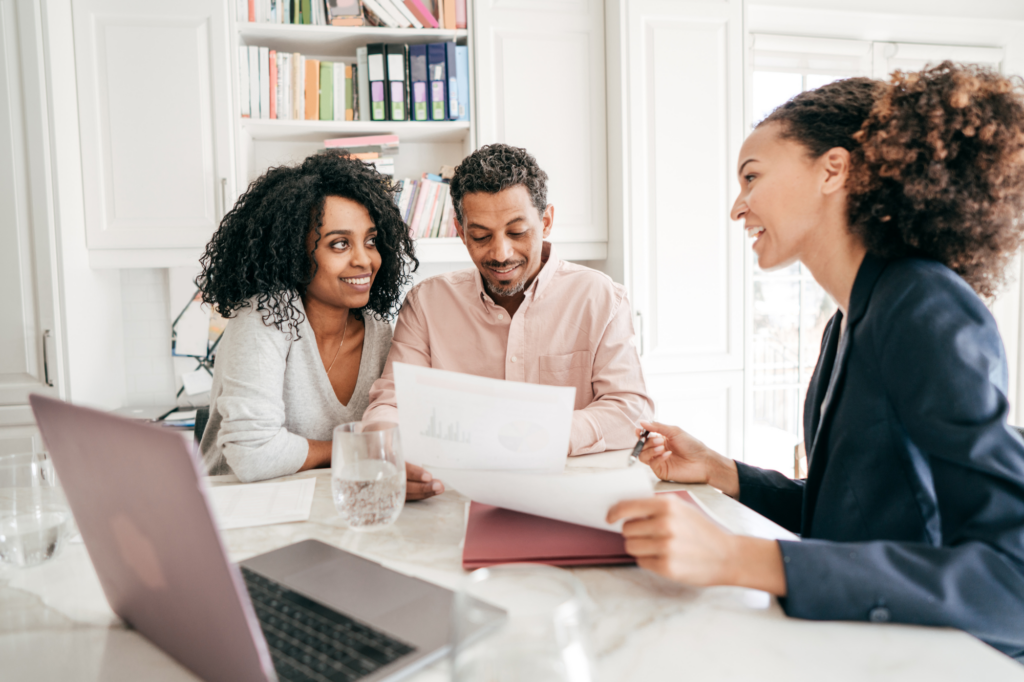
(905, 201)
(309, 265)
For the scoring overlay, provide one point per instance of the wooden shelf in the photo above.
(317, 131)
(338, 40)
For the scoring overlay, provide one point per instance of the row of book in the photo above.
(445, 14)
(426, 207)
(388, 82)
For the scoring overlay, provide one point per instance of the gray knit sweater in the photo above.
(271, 393)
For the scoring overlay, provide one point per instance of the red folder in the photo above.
(502, 536)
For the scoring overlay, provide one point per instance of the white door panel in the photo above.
(153, 102)
(541, 86)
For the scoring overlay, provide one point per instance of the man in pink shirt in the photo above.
(522, 313)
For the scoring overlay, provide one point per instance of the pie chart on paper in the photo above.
(523, 436)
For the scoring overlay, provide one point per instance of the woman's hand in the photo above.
(675, 455)
(419, 484)
(674, 539)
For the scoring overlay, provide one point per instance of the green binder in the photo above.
(326, 90)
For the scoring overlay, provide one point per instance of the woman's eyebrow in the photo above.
(740, 171)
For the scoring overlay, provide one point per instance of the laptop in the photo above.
(308, 611)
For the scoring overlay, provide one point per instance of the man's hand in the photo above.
(419, 484)
(673, 539)
(675, 455)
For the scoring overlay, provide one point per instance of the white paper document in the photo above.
(262, 504)
(583, 498)
(462, 421)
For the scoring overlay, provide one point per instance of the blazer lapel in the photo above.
(819, 418)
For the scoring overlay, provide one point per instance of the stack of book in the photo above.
(388, 82)
(378, 150)
(445, 14)
(426, 207)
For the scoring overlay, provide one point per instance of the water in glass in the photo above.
(35, 520)
(367, 474)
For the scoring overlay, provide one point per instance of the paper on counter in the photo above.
(461, 421)
(262, 504)
(575, 498)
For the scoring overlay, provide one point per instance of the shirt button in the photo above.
(513, 358)
(879, 614)
(500, 316)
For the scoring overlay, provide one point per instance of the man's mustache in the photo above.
(503, 265)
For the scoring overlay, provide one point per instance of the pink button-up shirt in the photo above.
(573, 329)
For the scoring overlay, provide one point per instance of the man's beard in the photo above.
(507, 290)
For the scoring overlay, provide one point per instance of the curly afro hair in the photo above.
(937, 163)
(495, 167)
(259, 251)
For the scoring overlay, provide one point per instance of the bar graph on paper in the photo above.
(442, 431)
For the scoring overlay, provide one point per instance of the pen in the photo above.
(634, 456)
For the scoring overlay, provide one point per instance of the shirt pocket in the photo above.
(570, 369)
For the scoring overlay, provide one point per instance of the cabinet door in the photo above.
(541, 85)
(683, 114)
(28, 362)
(153, 104)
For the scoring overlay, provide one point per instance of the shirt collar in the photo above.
(547, 272)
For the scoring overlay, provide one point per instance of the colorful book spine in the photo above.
(243, 81)
(421, 12)
(326, 91)
(460, 13)
(363, 83)
(312, 89)
(339, 91)
(462, 59)
(349, 109)
(273, 83)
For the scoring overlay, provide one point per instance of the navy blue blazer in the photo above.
(913, 506)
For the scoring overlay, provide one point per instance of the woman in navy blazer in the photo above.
(904, 200)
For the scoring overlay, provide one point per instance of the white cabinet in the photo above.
(682, 127)
(28, 335)
(153, 95)
(541, 85)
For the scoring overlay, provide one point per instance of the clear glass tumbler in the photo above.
(544, 637)
(35, 520)
(368, 474)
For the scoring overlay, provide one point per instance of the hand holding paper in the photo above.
(583, 499)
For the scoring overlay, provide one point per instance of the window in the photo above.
(789, 309)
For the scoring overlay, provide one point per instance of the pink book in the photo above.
(427, 217)
(502, 536)
(460, 13)
(421, 198)
(365, 141)
(273, 84)
(422, 13)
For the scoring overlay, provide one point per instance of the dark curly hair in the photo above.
(937, 163)
(495, 167)
(259, 250)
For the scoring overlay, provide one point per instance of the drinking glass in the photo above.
(544, 637)
(35, 520)
(367, 474)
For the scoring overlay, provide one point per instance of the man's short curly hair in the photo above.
(496, 167)
(937, 163)
(259, 250)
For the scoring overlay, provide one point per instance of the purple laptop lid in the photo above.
(138, 498)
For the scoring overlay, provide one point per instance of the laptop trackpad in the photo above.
(364, 593)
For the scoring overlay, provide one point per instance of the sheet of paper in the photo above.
(262, 504)
(462, 421)
(583, 498)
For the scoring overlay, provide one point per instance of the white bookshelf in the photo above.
(424, 145)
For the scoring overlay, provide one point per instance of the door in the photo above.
(29, 333)
(153, 93)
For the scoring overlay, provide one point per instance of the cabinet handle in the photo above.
(223, 197)
(46, 359)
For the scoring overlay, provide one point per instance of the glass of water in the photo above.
(544, 637)
(368, 474)
(35, 520)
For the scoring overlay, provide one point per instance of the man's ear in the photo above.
(548, 218)
(460, 231)
(836, 164)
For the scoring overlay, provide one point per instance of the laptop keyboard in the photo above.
(310, 642)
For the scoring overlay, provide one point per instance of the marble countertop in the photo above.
(55, 623)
